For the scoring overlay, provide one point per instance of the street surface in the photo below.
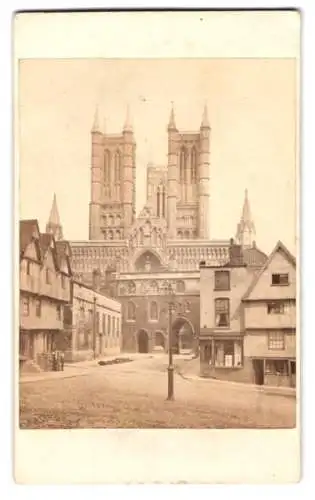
(133, 395)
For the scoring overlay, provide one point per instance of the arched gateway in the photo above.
(143, 341)
(182, 335)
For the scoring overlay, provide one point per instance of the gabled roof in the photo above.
(279, 246)
(64, 252)
(29, 231)
(47, 241)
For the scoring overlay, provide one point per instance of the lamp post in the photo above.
(170, 368)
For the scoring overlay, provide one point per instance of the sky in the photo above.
(252, 113)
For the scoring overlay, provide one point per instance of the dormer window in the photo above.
(48, 276)
(280, 279)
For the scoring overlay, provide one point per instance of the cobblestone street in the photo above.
(133, 394)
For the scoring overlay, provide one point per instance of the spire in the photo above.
(246, 227)
(128, 125)
(96, 125)
(53, 225)
(246, 215)
(171, 123)
(205, 119)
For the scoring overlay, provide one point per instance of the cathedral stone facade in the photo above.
(152, 260)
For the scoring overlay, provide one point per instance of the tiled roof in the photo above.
(254, 257)
(27, 230)
(45, 241)
(63, 251)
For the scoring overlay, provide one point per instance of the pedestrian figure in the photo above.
(62, 360)
(54, 361)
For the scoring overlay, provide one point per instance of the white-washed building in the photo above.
(92, 323)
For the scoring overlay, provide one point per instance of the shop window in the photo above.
(277, 367)
(228, 353)
(207, 353)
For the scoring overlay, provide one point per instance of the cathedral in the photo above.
(150, 262)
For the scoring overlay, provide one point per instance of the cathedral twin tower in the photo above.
(183, 183)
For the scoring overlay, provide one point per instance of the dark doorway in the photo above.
(182, 336)
(143, 341)
(159, 340)
(258, 365)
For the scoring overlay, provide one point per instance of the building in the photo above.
(248, 317)
(153, 259)
(270, 321)
(92, 323)
(45, 275)
(221, 328)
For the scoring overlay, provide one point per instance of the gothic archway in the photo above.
(159, 341)
(182, 335)
(147, 261)
(143, 341)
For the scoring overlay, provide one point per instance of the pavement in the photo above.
(133, 395)
(155, 362)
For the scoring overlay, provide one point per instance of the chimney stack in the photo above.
(235, 254)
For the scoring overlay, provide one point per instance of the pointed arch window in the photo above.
(193, 165)
(153, 311)
(163, 202)
(131, 311)
(117, 166)
(154, 287)
(107, 166)
(182, 164)
(158, 197)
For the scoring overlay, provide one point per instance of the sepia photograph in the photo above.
(158, 244)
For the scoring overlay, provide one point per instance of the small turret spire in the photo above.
(53, 225)
(128, 125)
(96, 125)
(205, 119)
(246, 215)
(171, 123)
(246, 228)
